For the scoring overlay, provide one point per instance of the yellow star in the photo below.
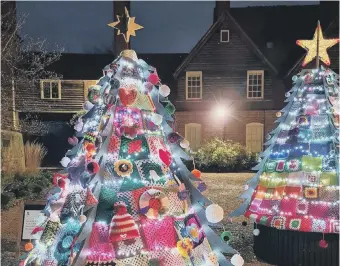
(317, 47)
(126, 26)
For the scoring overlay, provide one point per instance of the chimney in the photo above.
(220, 7)
(119, 42)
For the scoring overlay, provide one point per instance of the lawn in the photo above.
(224, 189)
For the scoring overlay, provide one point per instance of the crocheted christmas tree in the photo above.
(297, 183)
(128, 198)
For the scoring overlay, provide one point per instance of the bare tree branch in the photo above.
(24, 61)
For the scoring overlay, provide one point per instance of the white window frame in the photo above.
(193, 74)
(50, 81)
(262, 133)
(221, 34)
(187, 137)
(257, 72)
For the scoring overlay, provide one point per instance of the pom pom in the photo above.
(65, 161)
(226, 236)
(196, 173)
(202, 187)
(88, 105)
(323, 243)
(244, 223)
(164, 90)
(73, 141)
(287, 94)
(148, 86)
(82, 218)
(153, 78)
(156, 119)
(256, 232)
(174, 137)
(29, 246)
(237, 260)
(93, 167)
(278, 114)
(214, 213)
(184, 144)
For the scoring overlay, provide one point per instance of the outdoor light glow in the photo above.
(219, 111)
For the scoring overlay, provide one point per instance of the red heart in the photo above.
(127, 96)
(165, 156)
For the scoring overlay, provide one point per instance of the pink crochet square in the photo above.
(318, 210)
(159, 234)
(288, 206)
(99, 234)
(101, 252)
(265, 207)
(126, 117)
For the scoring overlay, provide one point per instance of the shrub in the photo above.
(34, 154)
(217, 155)
(26, 186)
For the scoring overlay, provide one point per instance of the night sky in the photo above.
(81, 27)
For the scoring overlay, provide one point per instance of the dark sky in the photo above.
(81, 27)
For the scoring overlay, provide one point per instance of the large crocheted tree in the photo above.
(125, 197)
(296, 187)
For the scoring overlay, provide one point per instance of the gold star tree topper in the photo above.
(317, 48)
(126, 26)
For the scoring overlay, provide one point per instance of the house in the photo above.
(233, 82)
(230, 85)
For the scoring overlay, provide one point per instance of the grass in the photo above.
(224, 190)
(34, 154)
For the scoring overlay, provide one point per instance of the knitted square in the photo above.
(260, 191)
(113, 148)
(278, 222)
(328, 163)
(101, 254)
(330, 194)
(328, 179)
(318, 210)
(293, 191)
(278, 193)
(135, 149)
(311, 163)
(295, 179)
(149, 126)
(270, 166)
(288, 206)
(280, 151)
(167, 258)
(335, 226)
(299, 150)
(75, 200)
(100, 262)
(265, 207)
(169, 108)
(310, 192)
(293, 165)
(50, 232)
(190, 221)
(254, 205)
(272, 180)
(50, 262)
(99, 234)
(150, 172)
(269, 193)
(143, 102)
(294, 224)
(319, 121)
(318, 225)
(311, 178)
(304, 135)
(159, 234)
(156, 143)
(280, 166)
(302, 207)
(320, 149)
(176, 206)
(127, 117)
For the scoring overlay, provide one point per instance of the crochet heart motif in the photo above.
(165, 156)
(127, 96)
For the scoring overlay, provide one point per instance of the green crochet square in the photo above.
(134, 149)
(170, 108)
(310, 163)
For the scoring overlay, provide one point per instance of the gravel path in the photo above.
(224, 190)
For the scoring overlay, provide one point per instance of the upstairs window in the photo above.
(255, 84)
(50, 89)
(194, 85)
(224, 36)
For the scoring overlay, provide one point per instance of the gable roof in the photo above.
(89, 66)
(210, 33)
